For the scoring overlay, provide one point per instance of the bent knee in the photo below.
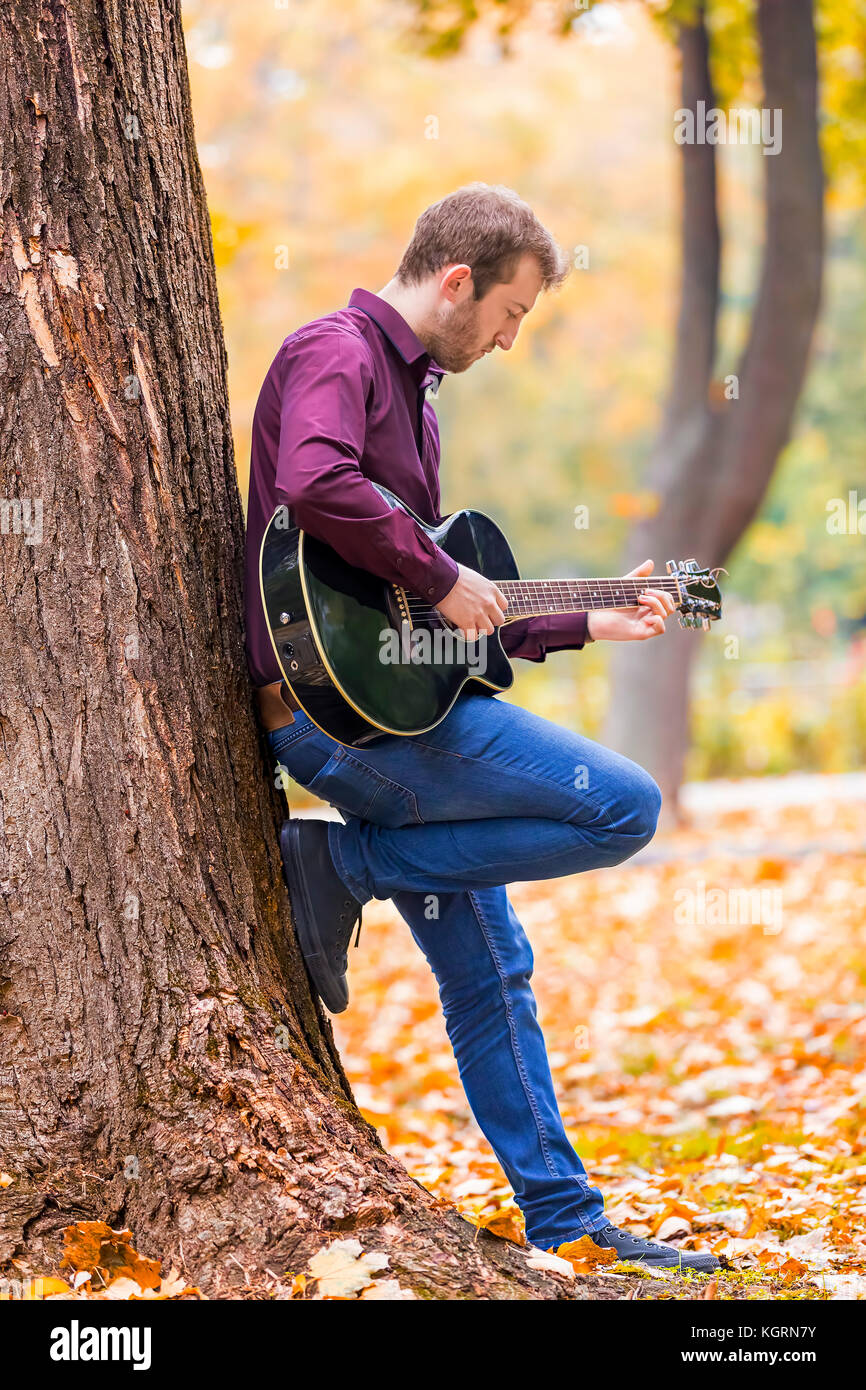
(635, 814)
(649, 807)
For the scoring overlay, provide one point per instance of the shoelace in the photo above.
(356, 921)
(649, 1246)
(638, 1240)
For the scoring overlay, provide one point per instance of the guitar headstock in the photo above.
(699, 598)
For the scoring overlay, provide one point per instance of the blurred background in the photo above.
(325, 128)
(705, 1004)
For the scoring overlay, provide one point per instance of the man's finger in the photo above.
(645, 568)
(666, 598)
(654, 602)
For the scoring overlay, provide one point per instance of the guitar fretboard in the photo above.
(532, 598)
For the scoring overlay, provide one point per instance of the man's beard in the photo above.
(453, 342)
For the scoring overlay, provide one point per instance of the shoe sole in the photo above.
(679, 1268)
(325, 983)
(713, 1268)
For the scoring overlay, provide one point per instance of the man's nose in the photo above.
(505, 339)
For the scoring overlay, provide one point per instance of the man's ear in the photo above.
(455, 282)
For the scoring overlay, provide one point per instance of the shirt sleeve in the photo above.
(327, 388)
(533, 638)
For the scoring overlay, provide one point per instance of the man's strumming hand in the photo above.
(633, 624)
(474, 605)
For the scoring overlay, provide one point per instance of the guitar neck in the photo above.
(533, 598)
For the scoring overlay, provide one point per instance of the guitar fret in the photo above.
(535, 597)
(529, 598)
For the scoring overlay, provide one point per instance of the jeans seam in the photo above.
(586, 1229)
(502, 866)
(280, 745)
(382, 781)
(334, 829)
(521, 776)
(515, 1049)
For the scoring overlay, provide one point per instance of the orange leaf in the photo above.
(505, 1222)
(584, 1255)
(611, 1148)
(771, 868)
(92, 1245)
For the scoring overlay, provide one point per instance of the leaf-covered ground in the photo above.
(711, 1069)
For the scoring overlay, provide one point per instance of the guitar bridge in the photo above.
(398, 607)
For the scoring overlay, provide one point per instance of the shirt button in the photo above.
(430, 591)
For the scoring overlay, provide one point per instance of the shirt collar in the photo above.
(400, 335)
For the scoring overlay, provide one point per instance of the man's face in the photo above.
(468, 328)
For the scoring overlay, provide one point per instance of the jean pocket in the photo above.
(302, 749)
(362, 791)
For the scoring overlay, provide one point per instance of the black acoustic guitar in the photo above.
(365, 658)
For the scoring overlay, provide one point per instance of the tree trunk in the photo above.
(715, 457)
(773, 367)
(162, 1063)
(648, 716)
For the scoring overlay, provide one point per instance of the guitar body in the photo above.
(327, 621)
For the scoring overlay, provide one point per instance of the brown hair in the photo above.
(487, 228)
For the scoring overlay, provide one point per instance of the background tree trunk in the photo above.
(162, 1063)
(715, 457)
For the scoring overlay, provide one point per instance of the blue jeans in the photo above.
(441, 822)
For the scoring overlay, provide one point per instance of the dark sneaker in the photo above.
(648, 1252)
(324, 910)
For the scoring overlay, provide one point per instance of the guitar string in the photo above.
(529, 587)
(562, 589)
(525, 595)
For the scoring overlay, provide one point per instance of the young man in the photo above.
(441, 822)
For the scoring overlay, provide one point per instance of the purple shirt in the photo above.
(344, 404)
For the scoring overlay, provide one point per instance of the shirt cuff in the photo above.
(533, 638)
(430, 577)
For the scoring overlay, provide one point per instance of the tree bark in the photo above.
(715, 457)
(162, 1062)
(648, 717)
(773, 367)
